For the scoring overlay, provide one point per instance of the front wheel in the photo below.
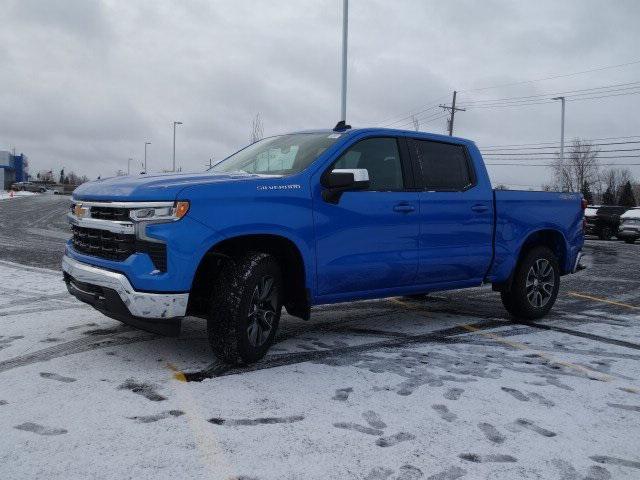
(535, 285)
(245, 308)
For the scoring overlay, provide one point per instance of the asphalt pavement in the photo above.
(34, 229)
(442, 387)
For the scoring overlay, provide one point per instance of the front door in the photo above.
(368, 241)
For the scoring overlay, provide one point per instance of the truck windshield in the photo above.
(280, 155)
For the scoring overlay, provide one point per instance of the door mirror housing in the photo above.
(341, 180)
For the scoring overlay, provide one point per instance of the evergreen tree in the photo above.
(626, 197)
(586, 193)
(608, 198)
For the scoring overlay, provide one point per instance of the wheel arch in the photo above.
(296, 293)
(547, 237)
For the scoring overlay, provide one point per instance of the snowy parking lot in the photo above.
(442, 388)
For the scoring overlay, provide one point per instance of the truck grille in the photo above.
(103, 244)
(110, 213)
(116, 246)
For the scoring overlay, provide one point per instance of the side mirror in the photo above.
(341, 180)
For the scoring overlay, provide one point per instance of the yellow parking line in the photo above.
(409, 306)
(521, 346)
(177, 374)
(604, 300)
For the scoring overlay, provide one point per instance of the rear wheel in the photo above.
(535, 285)
(245, 308)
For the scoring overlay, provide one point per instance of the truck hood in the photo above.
(159, 187)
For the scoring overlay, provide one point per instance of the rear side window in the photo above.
(444, 166)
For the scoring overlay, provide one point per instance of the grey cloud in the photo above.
(85, 83)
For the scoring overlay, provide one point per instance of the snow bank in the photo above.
(4, 195)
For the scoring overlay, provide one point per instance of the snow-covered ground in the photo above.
(375, 390)
(4, 195)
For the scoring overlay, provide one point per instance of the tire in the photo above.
(245, 308)
(605, 233)
(629, 240)
(535, 285)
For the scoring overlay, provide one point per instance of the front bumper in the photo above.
(112, 294)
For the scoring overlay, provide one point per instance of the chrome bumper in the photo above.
(139, 304)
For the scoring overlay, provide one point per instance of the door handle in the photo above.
(404, 208)
(479, 207)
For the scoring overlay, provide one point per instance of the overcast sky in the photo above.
(83, 84)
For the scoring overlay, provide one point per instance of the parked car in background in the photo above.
(55, 189)
(605, 223)
(28, 187)
(630, 225)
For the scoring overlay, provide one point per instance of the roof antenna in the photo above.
(341, 126)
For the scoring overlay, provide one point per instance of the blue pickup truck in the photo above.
(310, 218)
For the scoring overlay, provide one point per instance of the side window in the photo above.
(380, 156)
(444, 165)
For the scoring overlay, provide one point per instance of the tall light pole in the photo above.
(562, 99)
(145, 155)
(129, 166)
(174, 144)
(345, 29)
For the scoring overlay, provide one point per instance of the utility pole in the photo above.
(129, 166)
(174, 144)
(562, 99)
(210, 163)
(145, 155)
(345, 29)
(453, 109)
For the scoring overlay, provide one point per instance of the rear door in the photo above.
(456, 213)
(368, 241)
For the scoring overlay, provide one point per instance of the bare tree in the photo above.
(580, 166)
(613, 179)
(257, 131)
(416, 123)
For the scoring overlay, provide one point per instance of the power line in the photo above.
(425, 120)
(620, 86)
(431, 105)
(542, 102)
(487, 149)
(419, 110)
(552, 77)
(551, 165)
(556, 142)
(547, 153)
(551, 159)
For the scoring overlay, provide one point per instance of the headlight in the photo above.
(160, 214)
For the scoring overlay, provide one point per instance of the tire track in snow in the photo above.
(72, 347)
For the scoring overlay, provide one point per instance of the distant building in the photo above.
(13, 168)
